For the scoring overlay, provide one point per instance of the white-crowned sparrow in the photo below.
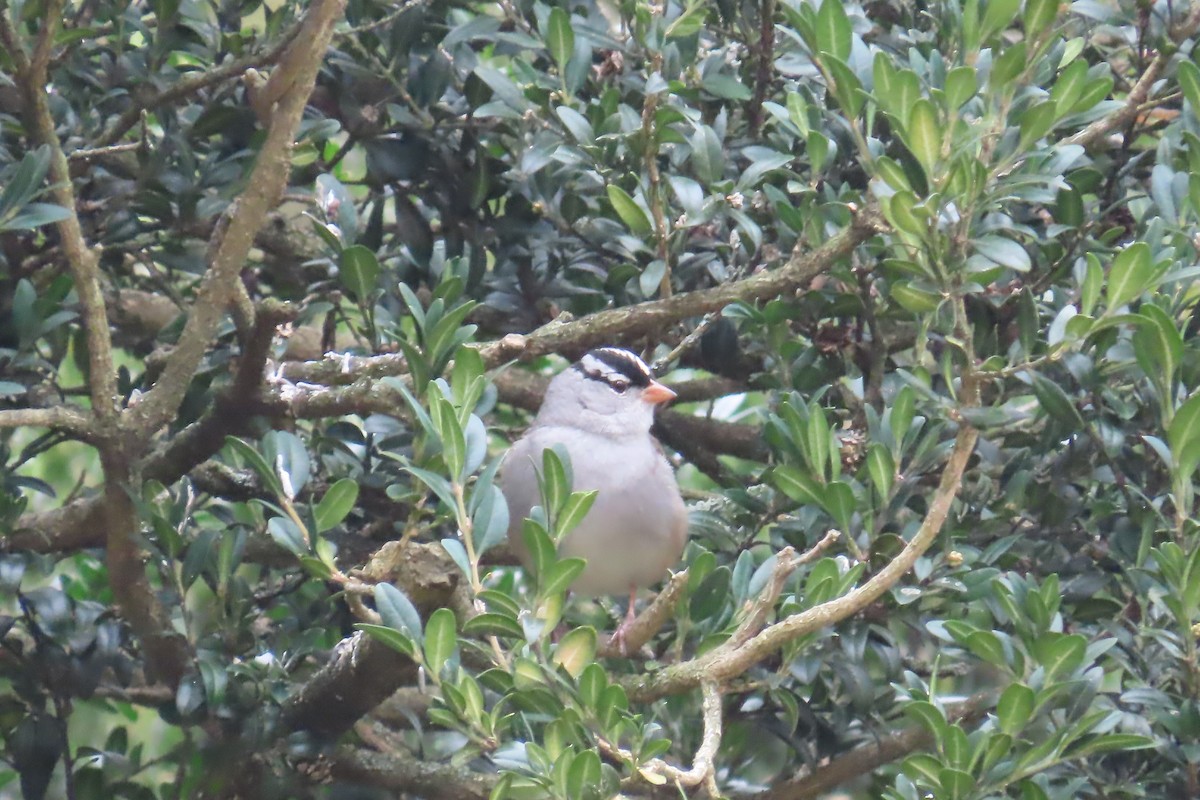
(601, 410)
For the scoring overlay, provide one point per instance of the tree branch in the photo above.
(77, 525)
(726, 662)
(1136, 99)
(863, 760)
(617, 325)
(363, 671)
(397, 771)
(190, 85)
(233, 238)
(63, 418)
(82, 261)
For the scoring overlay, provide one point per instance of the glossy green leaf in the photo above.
(560, 36)
(337, 502)
(575, 651)
(358, 272)
(630, 212)
(924, 135)
(1129, 276)
(833, 29)
(441, 639)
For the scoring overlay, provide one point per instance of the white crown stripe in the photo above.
(627, 356)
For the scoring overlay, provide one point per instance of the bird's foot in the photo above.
(618, 637)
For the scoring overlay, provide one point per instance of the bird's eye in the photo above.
(619, 386)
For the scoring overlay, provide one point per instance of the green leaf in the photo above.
(1007, 67)
(1015, 708)
(910, 298)
(288, 457)
(955, 783)
(1069, 87)
(882, 469)
(34, 215)
(1189, 82)
(708, 156)
(441, 640)
(797, 485)
(490, 624)
(688, 23)
(439, 485)
(454, 442)
(1055, 402)
(397, 611)
(574, 510)
(394, 639)
(630, 212)
(1003, 251)
(336, 504)
(833, 32)
(577, 124)
(924, 136)
(555, 481)
(1158, 346)
(1184, 431)
(1130, 275)
(575, 651)
(1108, 743)
(255, 461)
(559, 577)
(960, 86)
(24, 183)
(900, 416)
(1038, 15)
(998, 16)
(1036, 122)
(839, 502)
(560, 36)
(288, 535)
(584, 778)
(1060, 654)
(490, 518)
(358, 272)
(930, 717)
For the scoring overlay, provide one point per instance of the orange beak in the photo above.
(656, 393)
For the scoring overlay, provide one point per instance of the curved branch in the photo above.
(31, 73)
(726, 662)
(616, 325)
(1138, 95)
(234, 236)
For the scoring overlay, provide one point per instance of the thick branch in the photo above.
(618, 325)
(863, 760)
(63, 418)
(77, 525)
(397, 771)
(82, 261)
(167, 653)
(615, 325)
(364, 672)
(726, 662)
(233, 238)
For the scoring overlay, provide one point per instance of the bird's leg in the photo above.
(618, 637)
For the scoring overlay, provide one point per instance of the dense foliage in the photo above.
(923, 275)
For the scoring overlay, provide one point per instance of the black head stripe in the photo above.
(615, 366)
